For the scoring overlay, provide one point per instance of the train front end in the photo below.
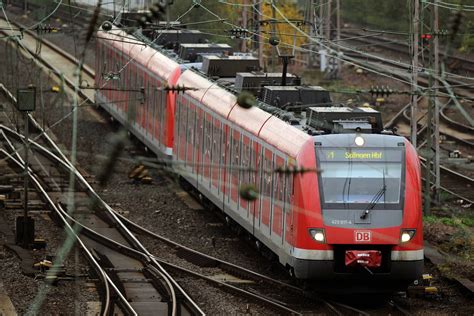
(365, 213)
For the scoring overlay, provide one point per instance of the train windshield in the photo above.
(355, 176)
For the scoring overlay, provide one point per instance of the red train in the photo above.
(359, 217)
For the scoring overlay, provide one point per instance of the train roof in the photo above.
(146, 55)
(221, 77)
(254, 120)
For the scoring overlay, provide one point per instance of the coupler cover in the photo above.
(363, 258)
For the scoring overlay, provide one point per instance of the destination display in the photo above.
(356, 154)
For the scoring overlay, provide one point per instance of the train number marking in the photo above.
(363, 236)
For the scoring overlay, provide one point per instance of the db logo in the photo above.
(363, 236)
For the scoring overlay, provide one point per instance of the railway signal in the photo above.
(25, 226)
(381, 91)
(426, 38)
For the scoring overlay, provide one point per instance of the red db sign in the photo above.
(363, 236)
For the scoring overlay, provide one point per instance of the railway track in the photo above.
(63, 65)
(131, 277)
(454, 63)
(67, 12)
(453, 182)
(279, 296)
(461, 87)
(276, 294)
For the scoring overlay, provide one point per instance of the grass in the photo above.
(455, 236)
(457, 221)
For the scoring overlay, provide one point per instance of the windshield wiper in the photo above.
(374, 202)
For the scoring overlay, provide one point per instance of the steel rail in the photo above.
(172, 284)
(36, 180)
(222, 264)
(117, 245)
(395, 46)
(364, 59)
(402, 114)
(124, 301)
(106, 280)
(141, 230)
(60, 52)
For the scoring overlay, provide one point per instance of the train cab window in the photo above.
(357, 177)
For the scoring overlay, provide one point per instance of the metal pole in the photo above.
(244, 25)
(321, 20)
(414, 69)
(168, 14)
(328, 20)
(257, 5)
(310, 17)
(437, 171)
(429, 142)
(338, 33)
(273, 26)
(25, 211)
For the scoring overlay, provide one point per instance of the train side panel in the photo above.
(132, 78)
(226, 146)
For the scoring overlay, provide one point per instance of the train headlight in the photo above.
(359, 141)
(407, 235)
(317, 234)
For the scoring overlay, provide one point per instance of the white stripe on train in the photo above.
(396, 255)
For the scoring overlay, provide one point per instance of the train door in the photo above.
(110, 82)
(151, 106)
(159, 96)
(235, 165)
(180, 129)
(207, 147)
(121, 84)
(198, 145)
(114, 81)
(108, 69)
(115, 91)
(266, 193)
(132, 101)
(245, 174)
(126, 82)
(162, 113)
(216, 156)
(290, 209)
(140, 97)
(276, 218)
(253, 173)
(190, 136)
(146, 100)
(258, 178)
(225, 171)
